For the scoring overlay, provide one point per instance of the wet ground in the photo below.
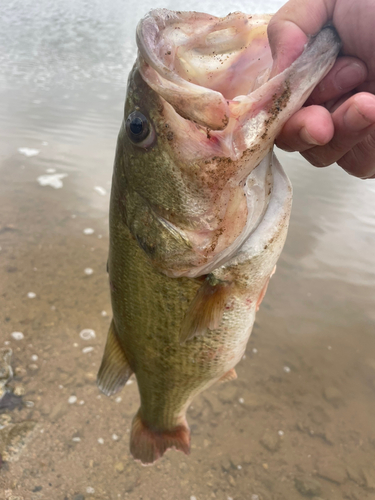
(299, 420)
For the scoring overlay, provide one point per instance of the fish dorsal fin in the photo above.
(115, 369)
(206, 309)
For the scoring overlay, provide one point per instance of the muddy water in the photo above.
(298, 422)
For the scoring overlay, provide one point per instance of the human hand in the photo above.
(338, 122)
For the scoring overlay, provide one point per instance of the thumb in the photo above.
(286, 41)
(291, 26)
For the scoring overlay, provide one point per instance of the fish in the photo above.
(199, 208)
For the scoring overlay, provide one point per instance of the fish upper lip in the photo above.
(180, 65)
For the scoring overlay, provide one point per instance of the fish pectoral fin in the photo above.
(148, 444)
(206, 309)
(115, 369)
(228, 376)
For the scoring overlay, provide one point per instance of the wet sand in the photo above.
(299, 420)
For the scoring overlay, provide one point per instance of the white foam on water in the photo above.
(100, 190)
(53, 180)
(28, 151)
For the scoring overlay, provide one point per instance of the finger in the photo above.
(353, 122)
(360, 161)
(307, 128)
(290, 26)
(347, 74)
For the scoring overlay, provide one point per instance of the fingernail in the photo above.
(355, 120)
(350, 76)
(307, 138)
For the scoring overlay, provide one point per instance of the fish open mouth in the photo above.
(215, 73)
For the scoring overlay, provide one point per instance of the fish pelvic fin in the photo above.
(148, 445)
(228, 376)
(206, 309)
(115, 369)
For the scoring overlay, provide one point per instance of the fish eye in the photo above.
(138, 129)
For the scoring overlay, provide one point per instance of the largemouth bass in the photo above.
(199, 208)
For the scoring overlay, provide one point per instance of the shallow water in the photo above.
(298, 421)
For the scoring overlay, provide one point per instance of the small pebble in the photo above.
(193, 497)
(100, 236)
(104, 313)
(118, 399)
(87, 334)
(115, 437)
(29, 404)
(239, 467)
(19, 390)
(81, 402)
(74, 216)
(286, 369)
(89, 490)
(101, 441)
(255, 350)
(31, 295)
(329, 347)
(76, 439)
(88, 271)
(85, 350)
(129, 382)
(17, 335)
(119, 467)
(88, 230)
(72, 399)
(281, 433)
(34, 357)
(254, 497)
(241, 400)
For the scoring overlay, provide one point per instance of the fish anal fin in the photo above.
(206, 309)
(228, 376)
(114, 370)
(147, 444)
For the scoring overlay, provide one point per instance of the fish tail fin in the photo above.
(206, 309)
(115, 369)
(147, 445)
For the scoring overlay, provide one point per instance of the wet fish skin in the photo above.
(192, 243)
